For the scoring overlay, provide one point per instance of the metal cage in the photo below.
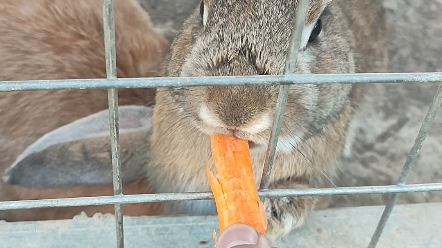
(112, 83)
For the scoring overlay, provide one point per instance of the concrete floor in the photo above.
(332, 228)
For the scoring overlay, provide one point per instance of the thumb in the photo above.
(241, 236)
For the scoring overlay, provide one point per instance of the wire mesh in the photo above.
(112, 83)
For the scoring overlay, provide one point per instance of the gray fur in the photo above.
(250, 38)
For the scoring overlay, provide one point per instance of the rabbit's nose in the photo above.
(229, 122)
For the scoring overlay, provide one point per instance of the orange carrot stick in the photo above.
(234, 189)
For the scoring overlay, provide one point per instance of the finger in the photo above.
(241, 235)
(262, 243)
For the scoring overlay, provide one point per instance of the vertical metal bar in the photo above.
(111, 72)
(295, 43)
(411, 159)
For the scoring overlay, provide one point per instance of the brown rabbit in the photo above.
(59, 39)
(231, 38)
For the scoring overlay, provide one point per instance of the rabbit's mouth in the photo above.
(254, 147)
(210, 130)
(251, 144)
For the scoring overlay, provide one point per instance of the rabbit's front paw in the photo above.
(287, 213)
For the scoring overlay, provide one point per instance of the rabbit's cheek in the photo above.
(286, 144)
(208, 118)
(305, 59)
(259, 125)
(209, 123)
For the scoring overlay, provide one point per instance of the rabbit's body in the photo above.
(58, 39)
(231, 38)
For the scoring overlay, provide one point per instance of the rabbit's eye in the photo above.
(203, 12)
(316, 31)
(202, 9)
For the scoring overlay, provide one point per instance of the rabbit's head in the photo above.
(240, 38)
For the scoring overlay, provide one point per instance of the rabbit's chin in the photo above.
(256, 148)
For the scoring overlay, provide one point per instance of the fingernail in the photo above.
(237, 234)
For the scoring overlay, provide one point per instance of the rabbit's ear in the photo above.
(79, 153)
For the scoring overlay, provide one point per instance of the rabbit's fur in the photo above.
(252, 38)
(59, 39)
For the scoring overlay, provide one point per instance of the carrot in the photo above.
(234, 190)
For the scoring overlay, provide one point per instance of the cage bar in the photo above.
(288, 79)
(164, 197)
(292, 54)
(111, 73)
(411, 159)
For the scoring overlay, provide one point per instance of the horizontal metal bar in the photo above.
(142, 198)
(102, 83)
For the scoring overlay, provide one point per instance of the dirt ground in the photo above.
(391, 115)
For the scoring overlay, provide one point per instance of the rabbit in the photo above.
(237, 38)
(58, 39)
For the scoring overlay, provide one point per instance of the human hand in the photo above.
(241, 236)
